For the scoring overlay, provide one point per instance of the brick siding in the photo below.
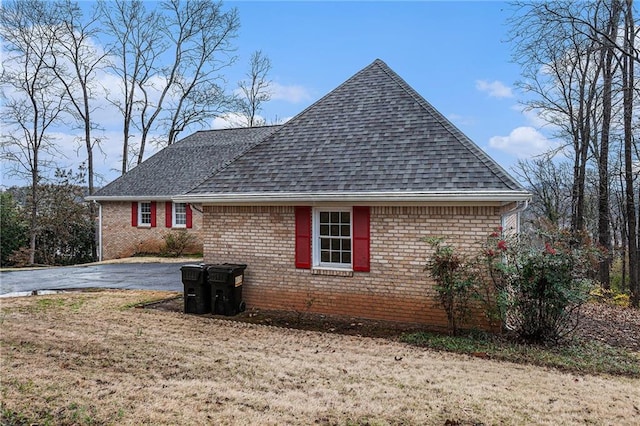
(120, 239)
(397, 288)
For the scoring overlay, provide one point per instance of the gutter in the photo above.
(128, 198)
(369, 198)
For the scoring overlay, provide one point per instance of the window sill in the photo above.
(332, 272)
(144, 226)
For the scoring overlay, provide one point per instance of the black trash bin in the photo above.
(226, 281)
(197, 292)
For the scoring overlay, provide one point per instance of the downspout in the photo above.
(99, 230)
(519, 208)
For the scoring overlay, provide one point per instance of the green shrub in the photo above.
(453, 282)
(13, 229)
(541, 282)
(176, 242)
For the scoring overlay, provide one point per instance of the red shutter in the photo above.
(168, 214)
(361, 239)
(134, 214)
(153, 214)
(189, 216)
(303, 237)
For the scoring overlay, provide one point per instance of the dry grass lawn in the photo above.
(92, 358)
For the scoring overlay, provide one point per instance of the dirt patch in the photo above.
(305, 321)
(614, 325)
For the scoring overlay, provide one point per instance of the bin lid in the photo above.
(193, 266)
(226, 267)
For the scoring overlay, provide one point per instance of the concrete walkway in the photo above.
(147, 276)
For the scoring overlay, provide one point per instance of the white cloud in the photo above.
(294, 93)
(532, 116)
(233, 120)
(228, 121)
(495, 89)
(524, 142)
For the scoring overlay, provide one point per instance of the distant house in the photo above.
(137, 209)
(329, 210)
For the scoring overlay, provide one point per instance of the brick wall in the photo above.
(396, 288)
(120, 239)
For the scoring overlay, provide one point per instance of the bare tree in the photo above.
(628, 78)
(169, 61)
(255, 89)
(137, 45)
(76, 64)
(611, 19)
(203, 50)
(561, 69)
(34, 99)
(550, 184)
(601, 21)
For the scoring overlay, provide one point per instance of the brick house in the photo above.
(329, 210)
(137, 210)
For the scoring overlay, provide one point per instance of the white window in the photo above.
(144, 214)
(179, 215)
(332, 238)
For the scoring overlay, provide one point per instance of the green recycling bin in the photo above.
(225, 281)
(197, 291)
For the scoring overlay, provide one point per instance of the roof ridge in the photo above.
(234, 128)
(471, 146)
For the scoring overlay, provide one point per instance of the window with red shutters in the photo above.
(333, 238)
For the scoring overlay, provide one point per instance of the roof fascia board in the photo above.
(129, 198)
(381, 198)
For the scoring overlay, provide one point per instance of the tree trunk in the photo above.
(604, 237)
(627, 82)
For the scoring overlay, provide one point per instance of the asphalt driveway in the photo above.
(146, 276)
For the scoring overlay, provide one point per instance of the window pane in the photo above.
(334, 235)
(145, 213)
(180, 210)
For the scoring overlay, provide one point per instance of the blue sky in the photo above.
(455, 54)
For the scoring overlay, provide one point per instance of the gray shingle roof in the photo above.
(181, 166)
(372, 133)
